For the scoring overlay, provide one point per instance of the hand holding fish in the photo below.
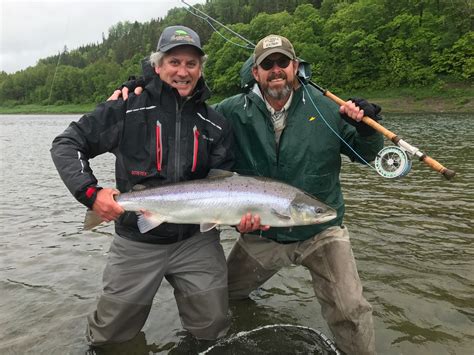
(105, 205)
(249, 223)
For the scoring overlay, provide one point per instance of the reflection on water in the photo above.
(412, 238)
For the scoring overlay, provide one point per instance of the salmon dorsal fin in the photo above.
(218, 173)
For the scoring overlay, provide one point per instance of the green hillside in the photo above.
(382, 49)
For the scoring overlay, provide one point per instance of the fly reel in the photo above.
(392, 162)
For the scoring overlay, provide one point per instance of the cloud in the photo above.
(31, 30)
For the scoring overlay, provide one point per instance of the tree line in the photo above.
(350, 44)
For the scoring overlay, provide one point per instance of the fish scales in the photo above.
(224, 200)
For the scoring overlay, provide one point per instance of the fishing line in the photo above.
(216, 30)
(332, 129)
(54, 78)
(219, 23)
(208, 18)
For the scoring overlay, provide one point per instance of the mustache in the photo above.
(274, 76)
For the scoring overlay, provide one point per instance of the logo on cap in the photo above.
(181, 35)
(272, 42)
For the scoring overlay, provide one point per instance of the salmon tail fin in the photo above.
(91, 220)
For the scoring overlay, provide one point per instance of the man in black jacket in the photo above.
(153, 137)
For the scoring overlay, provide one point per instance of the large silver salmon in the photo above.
(222, 198)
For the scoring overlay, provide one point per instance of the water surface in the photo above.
(412, 238)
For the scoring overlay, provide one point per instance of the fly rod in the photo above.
(390, 162)
(432, 163)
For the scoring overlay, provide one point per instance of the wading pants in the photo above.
(194, 267)
(329, 258)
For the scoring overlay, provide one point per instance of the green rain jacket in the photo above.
(309, 153)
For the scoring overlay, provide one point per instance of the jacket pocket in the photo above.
(143, 148)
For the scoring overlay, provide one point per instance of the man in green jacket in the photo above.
(291, 132)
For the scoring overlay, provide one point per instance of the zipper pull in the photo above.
(196, 147)
(159, 146)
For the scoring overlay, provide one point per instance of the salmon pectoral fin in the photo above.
(147, 221)
(91, 220)
(206, 227)
(280, 215)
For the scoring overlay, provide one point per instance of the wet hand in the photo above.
(105, 205)
(249, 223)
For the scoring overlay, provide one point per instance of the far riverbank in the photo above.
(448, 100)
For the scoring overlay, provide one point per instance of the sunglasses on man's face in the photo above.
(268, 64)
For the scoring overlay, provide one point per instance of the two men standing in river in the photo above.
(274, 138)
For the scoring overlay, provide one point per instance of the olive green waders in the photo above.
(194, 267)
(329, 258)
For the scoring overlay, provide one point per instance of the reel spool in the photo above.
(392, 162)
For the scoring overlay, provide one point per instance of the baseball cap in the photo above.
(174, 36)
(273, 44)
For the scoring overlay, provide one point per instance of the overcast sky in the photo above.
(34, 29)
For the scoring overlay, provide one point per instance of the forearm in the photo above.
(73, 166)
(92, 135)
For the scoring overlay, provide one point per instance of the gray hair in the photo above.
(156, 59)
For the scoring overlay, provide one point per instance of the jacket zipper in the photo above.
(179, 109)
(195, 150)
(159, 146)
(177, 143)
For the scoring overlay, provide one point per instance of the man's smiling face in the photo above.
(181, 69)
(276, 80)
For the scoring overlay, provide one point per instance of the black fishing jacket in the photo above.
(157, 138)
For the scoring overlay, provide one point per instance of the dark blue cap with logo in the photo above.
(174, 36)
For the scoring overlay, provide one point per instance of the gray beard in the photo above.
(278, 94)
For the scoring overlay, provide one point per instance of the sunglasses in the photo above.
(268, 64)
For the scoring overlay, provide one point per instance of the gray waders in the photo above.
(195, 268)
(329, 258)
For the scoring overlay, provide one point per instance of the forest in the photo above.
(350, 45)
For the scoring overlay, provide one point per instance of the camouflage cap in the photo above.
(174, 36)
(273, 44)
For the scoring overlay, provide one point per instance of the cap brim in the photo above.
(174, 45)
(272, 51)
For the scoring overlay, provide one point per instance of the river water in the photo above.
(412, 238)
